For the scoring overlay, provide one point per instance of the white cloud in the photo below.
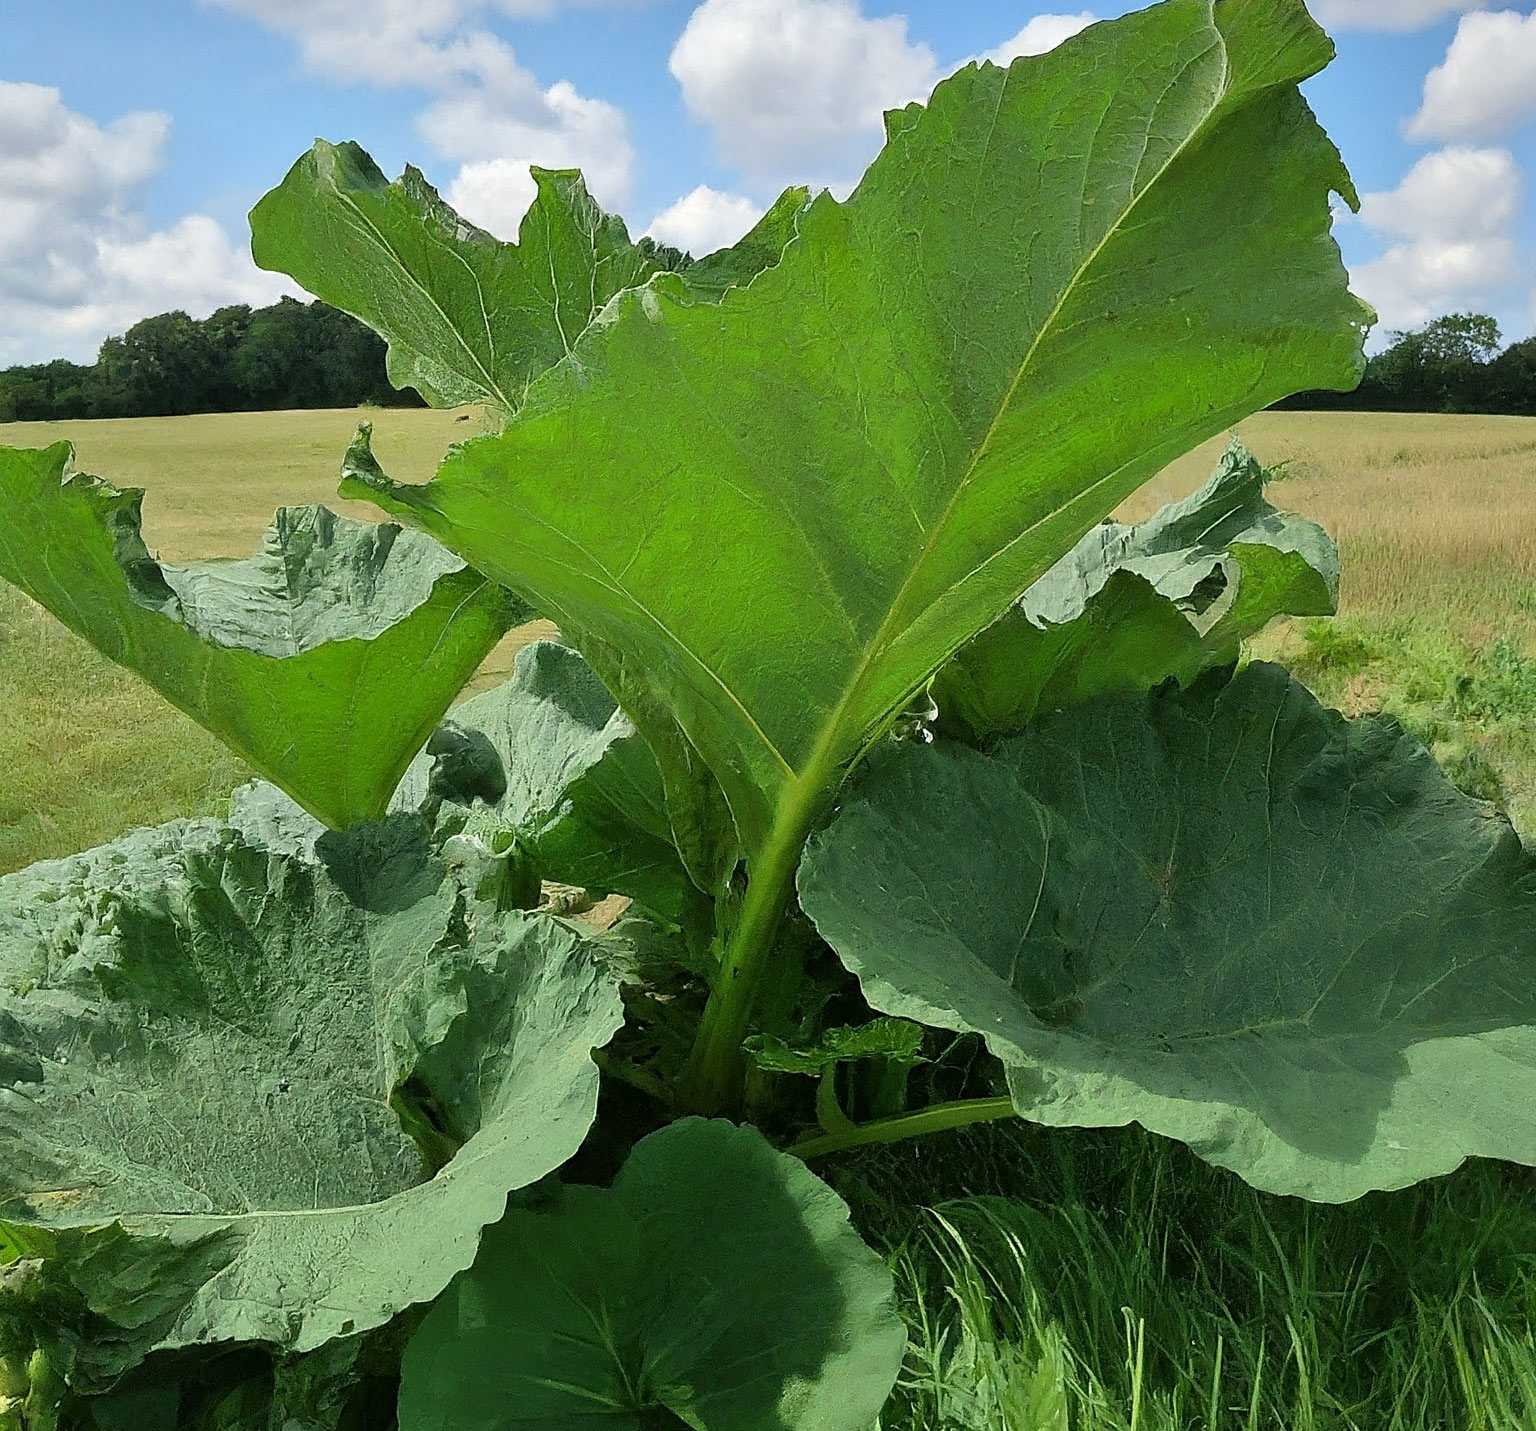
(490, 114)
(1399, 15)
(705, 220)
(1450, 227)
(1042, 33)
(76, 260)
(796, 89)
(1454, 193)
(1486, 85)
(494, 193)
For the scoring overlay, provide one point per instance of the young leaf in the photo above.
(324, 661)
(716, 1285)
(902, 424)
(894, 1039)
(228, 1081)
(555, 761)
(1225, 914)
(467, 317)
(546, 760)
(1131, 607)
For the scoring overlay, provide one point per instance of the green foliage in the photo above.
(289, 355)
(292, 657)
(1131, 607)
(1451, 364)
(1226, 915)
(1153, 1293)
(1474, 706)
(258, 1098)
(646, 1298)
(269, 1081)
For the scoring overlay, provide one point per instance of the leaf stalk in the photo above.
(716, 1074)
(937, 1119)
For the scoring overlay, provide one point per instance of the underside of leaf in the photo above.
(1241, 921)
(324, 661)
(252, 1098)
(1132, 606)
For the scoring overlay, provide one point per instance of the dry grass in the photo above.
(1432, 513)
(78, 768)
(214, 480)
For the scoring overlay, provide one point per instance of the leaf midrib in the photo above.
(827, 754)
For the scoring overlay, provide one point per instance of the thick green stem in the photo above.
(716, 1069)
(937, 1119)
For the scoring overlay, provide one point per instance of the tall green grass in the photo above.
(1112, 1282)
(1472, 703)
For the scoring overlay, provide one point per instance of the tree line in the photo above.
(294, 354)
(238, 359)
(1457, 363)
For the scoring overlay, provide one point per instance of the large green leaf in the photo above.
(717, 1285)
(1225, 914)
(768, 520)
(324, 661)
(1131, 606)
(246, 1097)
(467, 317)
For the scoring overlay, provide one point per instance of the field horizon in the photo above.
(1437, 618)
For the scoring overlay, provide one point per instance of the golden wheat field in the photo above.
(1433, 515)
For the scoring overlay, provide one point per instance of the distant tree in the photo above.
(39, 391)
(266, 367)
(1512, 379)
(1461, 339)
(1441, 367)
(162, 366)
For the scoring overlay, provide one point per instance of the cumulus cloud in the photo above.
(1450, 232)
(705, 220)
(1398, 15)
(77, 261)
(1486, 85)
(489, 114)
(796, 89)
(1042, 33)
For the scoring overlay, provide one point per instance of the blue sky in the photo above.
(135, 134)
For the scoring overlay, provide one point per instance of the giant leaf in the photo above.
(324, 661)
(1225, 914)
(768, 520)
(1131, 606)
(717, 1285)
(248, 1097)
(467, 317)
